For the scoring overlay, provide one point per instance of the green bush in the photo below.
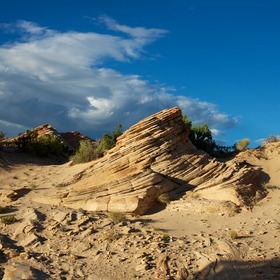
(104, 144)
(85, 152)
(116, 217)
(201, 137)
(88, 152)
(7, 220)
(46, 145)
(242, 144)
(23, 142)
(43, 146)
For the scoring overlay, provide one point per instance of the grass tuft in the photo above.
(116, 217)
(163, 199)
(7, 220)
(233, 234)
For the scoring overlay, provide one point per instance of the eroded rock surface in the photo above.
(153, 157)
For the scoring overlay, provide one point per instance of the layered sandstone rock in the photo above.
(153, 157)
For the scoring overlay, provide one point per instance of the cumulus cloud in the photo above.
(61, 78)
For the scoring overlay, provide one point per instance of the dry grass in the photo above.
(163, 199)
(112, 235)
(116, 217)
(242, 144)
(7, 220)
(233, 234)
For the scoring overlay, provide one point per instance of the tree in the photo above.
(201, 137)
(116, 133)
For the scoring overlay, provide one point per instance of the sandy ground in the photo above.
(52, 242)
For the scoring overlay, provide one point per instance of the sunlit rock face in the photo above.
(153, 157)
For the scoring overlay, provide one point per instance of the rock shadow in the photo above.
(10, 157)
(238, 269)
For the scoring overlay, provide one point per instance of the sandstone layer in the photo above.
(154, 157)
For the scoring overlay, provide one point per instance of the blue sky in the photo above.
(88, 65)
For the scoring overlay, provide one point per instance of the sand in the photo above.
(173, 242)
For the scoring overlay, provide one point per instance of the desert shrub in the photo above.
(45, 145)
(53, 144)
(223, 151)
(116, 133)
(163, 199)
(7, 220)
(242, 144)
(104, 144)
(24, 141)
(85, 152)
(233, 234)
(116, 217)
(201, 137)
(166, 237)
(271, 139)
(61, 185)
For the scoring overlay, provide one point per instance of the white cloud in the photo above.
(61, 78)
(216, 132)
(146, 34)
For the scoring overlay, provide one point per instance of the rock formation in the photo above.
(73, 138)
(70, 139)
(153, 157)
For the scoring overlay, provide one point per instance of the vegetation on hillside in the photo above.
(87, 151)
(201, 137)
(42, 146)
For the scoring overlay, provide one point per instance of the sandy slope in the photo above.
(50, 242)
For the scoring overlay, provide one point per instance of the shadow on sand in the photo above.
(10, 157)
(238, 269)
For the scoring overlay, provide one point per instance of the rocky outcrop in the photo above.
(153, 157)
(44, 129)
(69, 139)
(73, 138)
